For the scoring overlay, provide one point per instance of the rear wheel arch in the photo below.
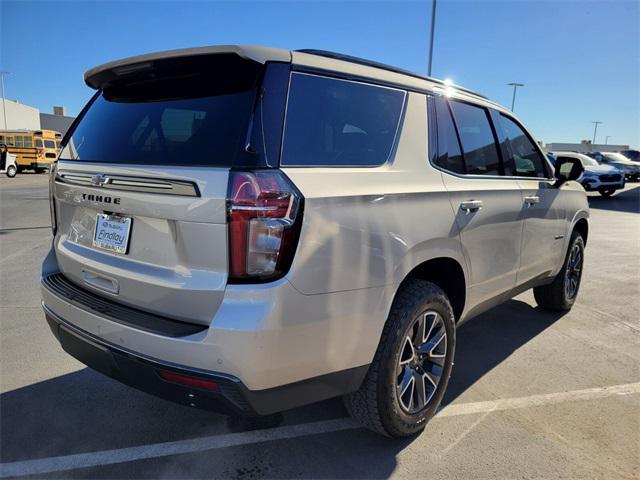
(446, 273)
(582, 227)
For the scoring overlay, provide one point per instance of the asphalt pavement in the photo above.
(533, 394)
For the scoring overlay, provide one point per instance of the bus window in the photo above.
(38, 143)
(49, 144)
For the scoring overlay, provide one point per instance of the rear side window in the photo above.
(477, 138)
(332, 122)
(525, 157)
(449, 153)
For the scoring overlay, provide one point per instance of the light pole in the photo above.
(433, 27)
(515, 87)
(4, 108)
(606, 139)
(595, 129)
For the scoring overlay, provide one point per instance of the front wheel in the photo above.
(561, 294)
(411, 368)
(606, 192)
(11, 171)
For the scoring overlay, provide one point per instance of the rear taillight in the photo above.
(264, 212)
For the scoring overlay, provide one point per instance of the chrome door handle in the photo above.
(531, 200)
(471, 206)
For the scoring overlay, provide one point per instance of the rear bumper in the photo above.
(40, 165)
(120, 345)
(143, 374)
(230, 396)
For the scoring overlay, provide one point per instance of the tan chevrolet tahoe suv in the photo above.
(248, 230)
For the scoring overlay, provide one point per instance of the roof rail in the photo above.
(383, 66)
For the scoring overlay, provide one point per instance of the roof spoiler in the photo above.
(104, 74)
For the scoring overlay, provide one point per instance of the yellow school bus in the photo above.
(33, 149)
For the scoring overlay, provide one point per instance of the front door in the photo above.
(542, 211)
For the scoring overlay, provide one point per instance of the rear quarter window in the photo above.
(333, 122)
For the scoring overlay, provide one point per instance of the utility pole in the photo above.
(4, 108)
(595, 129)
(606, 139)
(433, 27)
(515, 87)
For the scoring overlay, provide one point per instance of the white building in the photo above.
(24, 117)
(583, 147)
(16, 116)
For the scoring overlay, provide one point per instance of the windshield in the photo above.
(193, 117)
(616, 157)
(588, 161)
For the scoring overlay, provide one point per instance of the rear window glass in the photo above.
(478, 142)
(332, 122)
(198, 115)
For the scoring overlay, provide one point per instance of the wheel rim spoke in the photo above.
(420, 390)
(573, 272)
(408, 352)
(421, 363)
(406, 389)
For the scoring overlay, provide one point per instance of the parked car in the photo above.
(601, 178)
(304, 226)
(633, 155)
(7, 162)
(631, 169)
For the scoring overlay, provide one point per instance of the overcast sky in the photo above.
(578, 59)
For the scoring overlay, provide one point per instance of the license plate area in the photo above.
(112, 233)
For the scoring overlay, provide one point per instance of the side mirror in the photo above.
(568, 169)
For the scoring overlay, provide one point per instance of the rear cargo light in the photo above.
(196, 382)
(264, 211)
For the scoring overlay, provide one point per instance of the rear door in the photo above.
(141, 185)
(486, 204)
(542, 210)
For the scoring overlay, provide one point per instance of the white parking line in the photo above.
(538, 400)
(214, 442)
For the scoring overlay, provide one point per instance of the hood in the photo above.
(600, 169)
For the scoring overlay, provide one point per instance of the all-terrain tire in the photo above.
(375, 404)
(554, 296)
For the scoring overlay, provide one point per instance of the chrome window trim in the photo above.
(471, 175)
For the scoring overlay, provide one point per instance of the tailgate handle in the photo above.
(100, 282)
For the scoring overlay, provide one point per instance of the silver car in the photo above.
(630, 168)
(248, 230)
(601, 178)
